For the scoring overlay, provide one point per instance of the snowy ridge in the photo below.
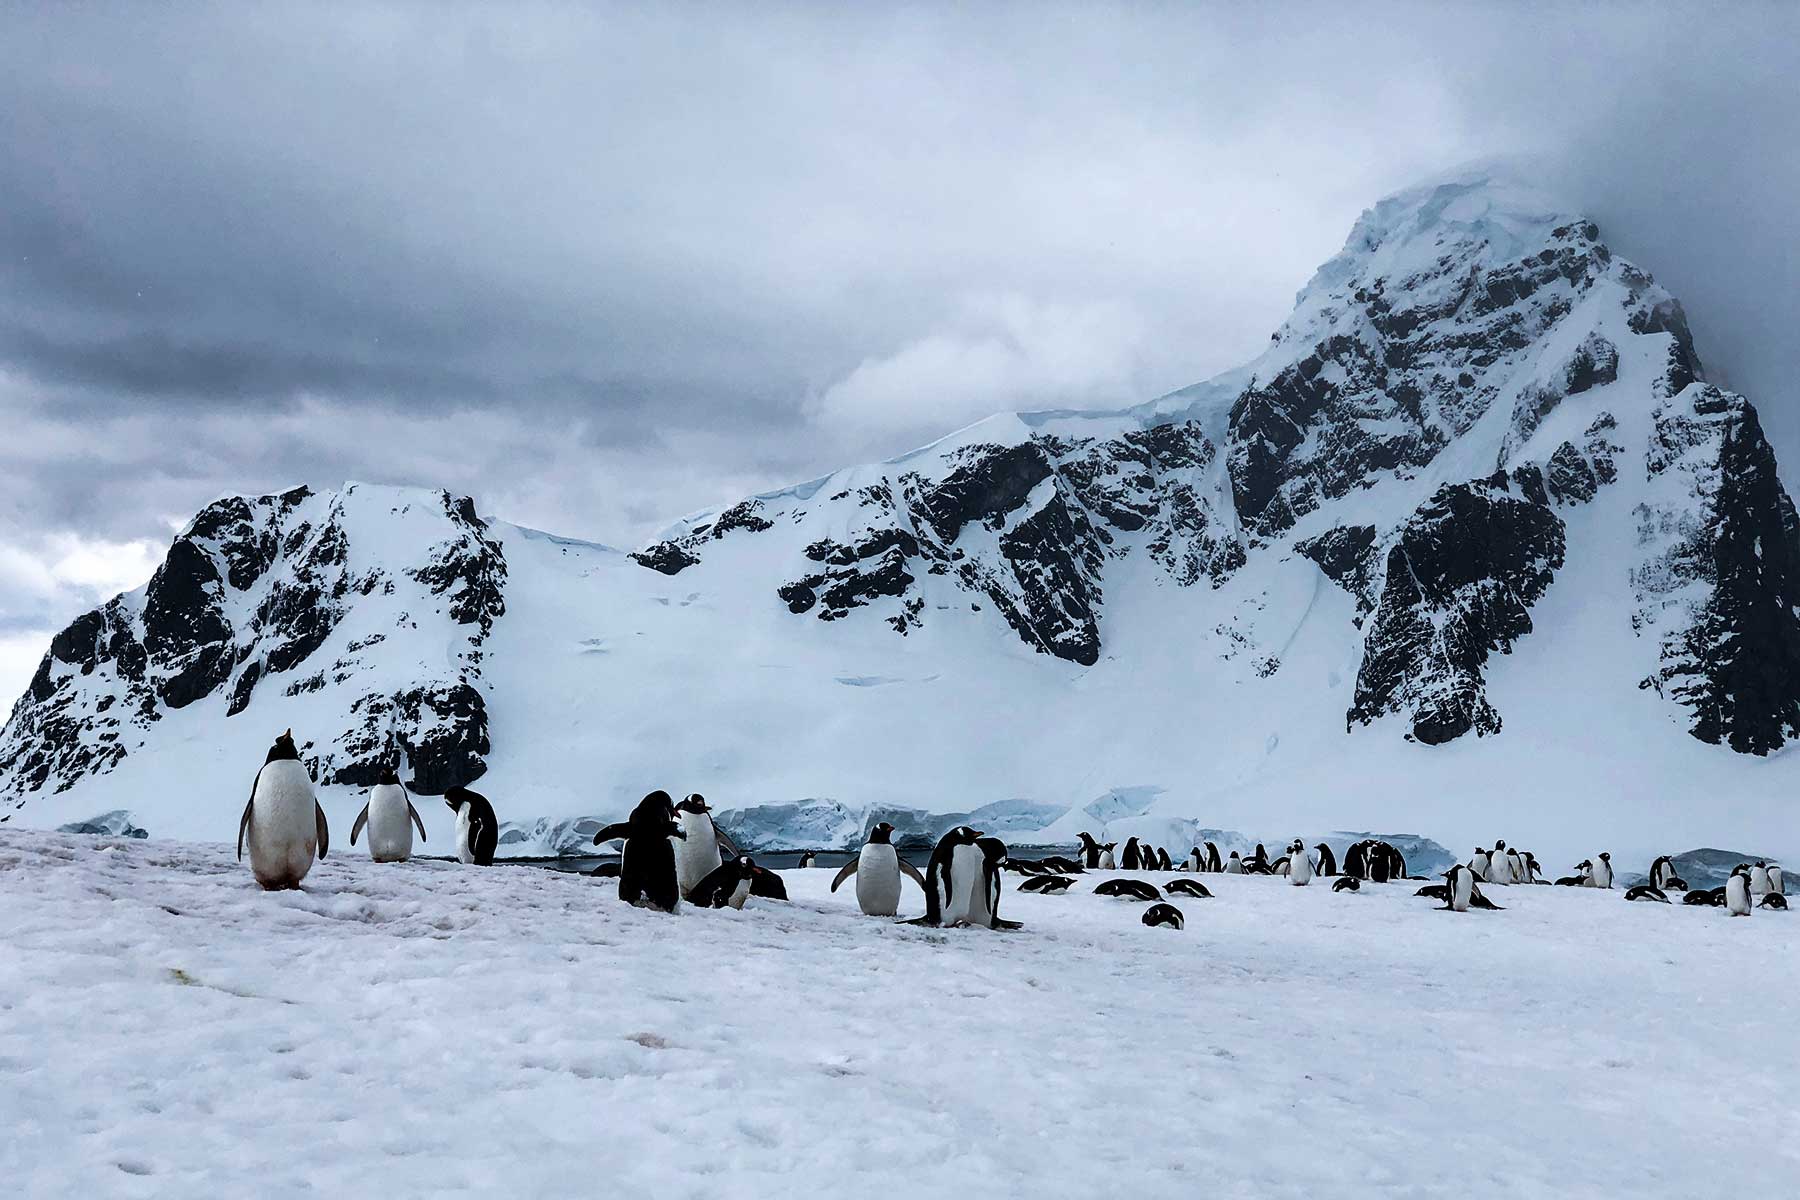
(1471, 547)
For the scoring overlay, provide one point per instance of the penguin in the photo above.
(1163, 916)
(767, 884)
(1380, 862)
(1163, 861)
(1775, 901)
(1479, 863)
(1645, 891)
(1213, 862)
(1662, 871)
(1759, 879)
(808, 859)
(1460, 888)
(1260, 863)
(952, 859)
(1583, 877)
(647, 876)
(878, 867)
(1347, 883)
(1061, 865)
(1235, 865)
(1777, 884)
(698, 854)
(285, 824)
(1516, 862)
(1195, 862)
(1090, 850)
(1190, 887)
(386, 814)
(1499, 872)
(1676, 884)
(727, 886)
(1533, 872)
(1702, 897)
(1737, 891)
(1354, 860)
(1129, 889)
(1107, 861)
(606, 870)
(1327, 861)
(984, 898)
(1600, 874)
(1132, 857)
(1047, 885)
(1300, 870)
(1431, 891)
(477, 828)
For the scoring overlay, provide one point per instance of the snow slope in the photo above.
(1472, 550)
(430, 1029)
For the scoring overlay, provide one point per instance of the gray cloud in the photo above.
(601, 267)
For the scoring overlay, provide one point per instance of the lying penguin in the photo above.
(728, 886)
(1130, 889)
(1164, 916)
(1190, 887)
(1047, 885)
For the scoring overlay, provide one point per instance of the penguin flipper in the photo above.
(362, 818)
(848, 870)
(612, 833)
(415, 820)
(729, 847)
(244, 824)
(999, 924)
(324, 830)
(913, 871)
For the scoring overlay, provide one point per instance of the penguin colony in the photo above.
(672, 852)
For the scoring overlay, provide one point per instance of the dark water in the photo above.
(775, 860)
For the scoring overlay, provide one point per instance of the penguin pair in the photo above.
(962, 881)
(701, 842)
(878, 867)
(1461, 892)
(1096, 856)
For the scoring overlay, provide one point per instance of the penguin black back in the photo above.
(1190, 887)
(484, 826)
(1163, 915)
(647, 872)
(1327, 860)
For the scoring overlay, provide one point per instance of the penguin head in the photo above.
(746, 866)
(992, 849)
(388, 775)
(881, 834)
(963, 835)
(283, 748)
(1087, 840)
(456, 797)
(695, 803)
(1234, 854)
(1605, 857)
(656, 809)
(1500, 845)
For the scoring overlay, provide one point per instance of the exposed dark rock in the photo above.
(987, 483)
(666, 557)
(1460, 584)
(1347, 556)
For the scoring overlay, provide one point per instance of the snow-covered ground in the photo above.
(166, 1028)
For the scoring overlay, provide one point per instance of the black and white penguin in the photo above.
(391, 819)
(1459, 887)
(1213, 861)
(808, 859)
(1499, 872)
(697, 854)
(1062, 865)
(1190, 887)
(477, 828)
(1775, 901)
(1645, 891)
(1347, 883)
(1129, 889)
(1479, 863)
(1379, 859)
(647, 865)
(1737, 891)
(767, 884)
(983, 904)
(1431, 891)
(1661, 871)
(1259, 862)
(1090, 850)
(1327, 860)
(1533, 872)
(1777, 883)
(878, 867)
(1234, 865)
(1759, 879)
(1163, 916)
(285, 824)
(1163, 861)
(1601, 873)
(1300, 870)
(726, 887)
(1132, 857)
(1583, 877)
(1195, 861)
(951, 876)
(1705, 897)
(1047, 885)
(1281, 867)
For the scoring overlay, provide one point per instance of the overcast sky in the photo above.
(601, 268)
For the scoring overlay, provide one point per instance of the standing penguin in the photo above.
(647, 865)
(1090, 850)
(952, 859)
(1602, 876)
(1499, 872)
(1195, 862)
(878, 868)
(284, 821)
(1260, 863)
(1234, 865)
(984, 901)
(1661, 871)
(1107, 861)
(391, 818)
(1213, 863)
(1459, 888)
(698, 854)
(1777, 884)
(1132, 858)
(1327, 860)
(808, 860)
(1479, 864)
(728, 886)
(477, 828)
(1163, 861)
(1759, 879)
(1300, 871)
(1737, 891)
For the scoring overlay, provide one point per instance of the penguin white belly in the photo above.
(1737, 896)
(1464, 891)
(696, 856)
(1300, 870)
(1759, 881)
(1479, 865)
(966, 893)
(1499, 870)
(1107, 861)
(739, 894)
(1776, 881)
(464, 851)
(284, 835)
(390, 824)
(878, 880)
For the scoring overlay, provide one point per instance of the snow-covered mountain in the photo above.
(1472, 547)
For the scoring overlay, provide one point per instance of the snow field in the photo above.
(428, 1028)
